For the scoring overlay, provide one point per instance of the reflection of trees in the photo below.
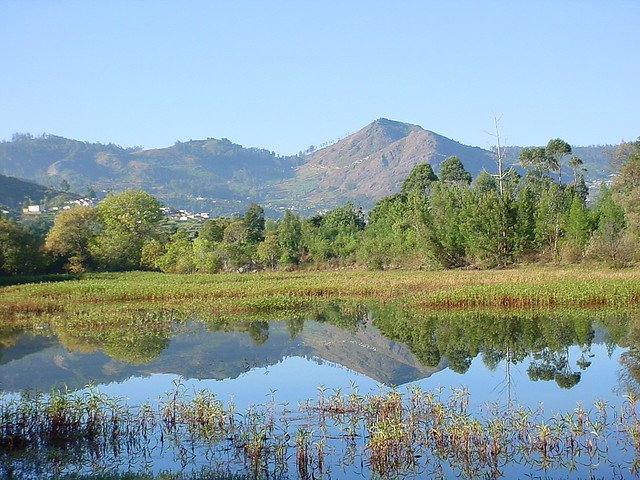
(258, 331)
(136, 349)
(461, 336)
(135, 337)
(346, 316)
(552, 365)
(294, 326)
(630, 360)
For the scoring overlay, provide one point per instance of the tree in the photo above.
(488, 221)
(452, 171)
(268, 251)
(290, 238)
(254, 222)
(212, 229)
(18, 253)
(128, 220)
(445, 237)
(555, 151)
(484, 182)
(64, 185)
(609, 242)
(70, 237)
(551, 207)
(535, 158)
(178, 257)
(577, 228)
(575, 163)
(419, 179)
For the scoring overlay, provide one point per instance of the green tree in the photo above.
(178, 257)
(488, 220)
(212, 229)
(485, 182)
(268, 251)
(290, 238)
(551, 208)
(576, 165)
(577, 229)
(525, 233)
(128, 219)
(536, 159)
(71, 235)
(419, 179)
(555, 151)
(609, 242)
(254, 223)
(445, 237)
(19, 254)
(452, 171)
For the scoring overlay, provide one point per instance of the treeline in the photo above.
(447, 220)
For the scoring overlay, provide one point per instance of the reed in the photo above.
(403, 435)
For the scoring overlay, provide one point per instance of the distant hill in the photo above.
(15, 192)
(207, 174)
(373, 162)
(221, 177)
(598, 161)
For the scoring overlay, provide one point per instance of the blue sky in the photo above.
(284, 75)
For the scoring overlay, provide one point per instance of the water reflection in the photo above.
(387, 344)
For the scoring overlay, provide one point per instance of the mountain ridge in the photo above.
(222, 178)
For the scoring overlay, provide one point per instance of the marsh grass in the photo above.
(267, 291)
(402, 434)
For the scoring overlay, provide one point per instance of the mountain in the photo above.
(197, 352)
(373, 162)
(222, 178)
(14, 192)
(206, 175)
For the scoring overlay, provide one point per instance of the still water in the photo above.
(542, 361)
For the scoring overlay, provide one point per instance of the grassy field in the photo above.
(531, 287)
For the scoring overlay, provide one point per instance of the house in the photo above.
(32, 210)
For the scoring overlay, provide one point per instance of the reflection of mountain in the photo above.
(368, 352)
(199, 353)
(24, 345)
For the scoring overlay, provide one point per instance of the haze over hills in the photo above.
(220, 177)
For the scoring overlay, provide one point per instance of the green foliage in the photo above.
(484, 182)
(71, 235)
(452, 170)
(254, 223)
(178, 257)
(577, 228)
(290, 238)
(489, 222)
(19, 254)
(610, 241)
(128, 220)
(445, 235)
(419, 179)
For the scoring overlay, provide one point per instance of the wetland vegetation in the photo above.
(555, 317)
(442, 319)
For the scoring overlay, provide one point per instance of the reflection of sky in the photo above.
(292, 380)
(296, 379)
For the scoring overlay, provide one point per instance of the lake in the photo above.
(544, 363)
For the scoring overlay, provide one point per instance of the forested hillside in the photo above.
(446, 220)
(208, 175)
(221, 177)
(14, 193)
